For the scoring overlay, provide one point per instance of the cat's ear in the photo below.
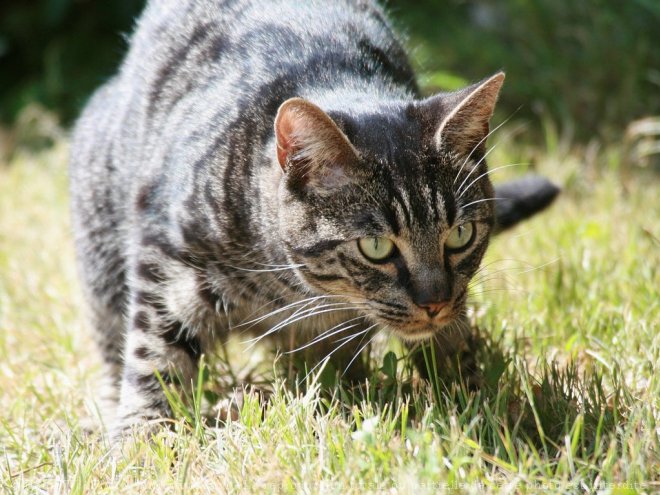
(311, 149)
(467, 113)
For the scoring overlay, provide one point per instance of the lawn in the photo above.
(567, 308)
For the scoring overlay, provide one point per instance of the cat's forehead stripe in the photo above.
(449, 204)
(402, 208)
(424, 206)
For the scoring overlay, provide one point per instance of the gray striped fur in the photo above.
(185, 222)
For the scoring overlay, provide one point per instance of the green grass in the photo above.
(568, 312)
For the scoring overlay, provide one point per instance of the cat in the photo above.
(271, 166)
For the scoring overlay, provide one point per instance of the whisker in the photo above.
(277, 268)
(482, 141)
(303, 313)
(487, 277)
(484, 275)
(510, 269)
(500, 289)
(328, 333)
(275, 265)
(307, 314)
(304, 302)
(341, 339)
(476, 166)
(256, 310)
(296, 309)
(483, 284)
(325, 359)
(361, 349)
(482, 269)
(541, 266)
(461, 193)
(482, 200)
(485, 271)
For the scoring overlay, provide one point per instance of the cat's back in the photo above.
(192, 61)
(227, 52)
(198, 70)
(196, 96)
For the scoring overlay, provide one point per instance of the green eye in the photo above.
(460, 236)
(376, 249)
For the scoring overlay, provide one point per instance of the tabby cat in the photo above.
(270, 166)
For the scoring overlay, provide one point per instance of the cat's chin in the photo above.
(415, 336)
(421, 332)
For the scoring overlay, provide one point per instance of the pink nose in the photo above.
(433, 309)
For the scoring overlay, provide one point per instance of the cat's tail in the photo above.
(520, 199)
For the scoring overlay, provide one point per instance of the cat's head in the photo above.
(389, 206)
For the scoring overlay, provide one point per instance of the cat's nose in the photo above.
(434, 308)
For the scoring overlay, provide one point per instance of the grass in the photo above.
(568, 312)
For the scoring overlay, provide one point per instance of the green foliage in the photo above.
(592, 65)
(568, 305)
(56, 52)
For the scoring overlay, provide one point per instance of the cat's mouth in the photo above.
(415, 323)
(424, 328)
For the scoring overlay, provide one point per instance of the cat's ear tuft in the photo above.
(465, 126)
(311, 149)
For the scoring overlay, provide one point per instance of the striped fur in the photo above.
(187, 227)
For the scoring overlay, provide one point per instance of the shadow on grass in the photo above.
(545, 408)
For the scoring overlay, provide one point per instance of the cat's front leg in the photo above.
(157, 344)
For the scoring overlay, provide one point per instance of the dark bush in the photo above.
(55, 52)
(594, 64)
(590, 64)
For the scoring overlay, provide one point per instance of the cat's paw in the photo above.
(229, 408)
(139, 424)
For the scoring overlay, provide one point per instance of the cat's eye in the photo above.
(376, 249)
(460, 236)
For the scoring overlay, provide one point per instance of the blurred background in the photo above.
(586, 70)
